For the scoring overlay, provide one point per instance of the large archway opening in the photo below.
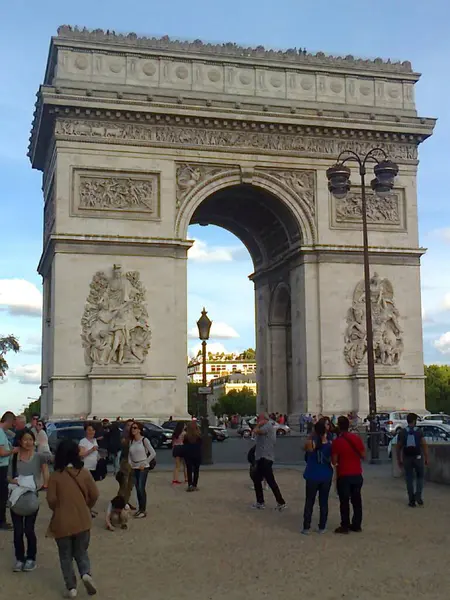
(270, 232)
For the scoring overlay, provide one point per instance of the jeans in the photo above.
(414, 466)
(312, 488)
(3, 493)
(263, 470)
(193, 470)
(349, 490)
(74, 547)
(140, 481)
(127, 480)
(24, 526)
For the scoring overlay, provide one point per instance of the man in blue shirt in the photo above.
(6, 423)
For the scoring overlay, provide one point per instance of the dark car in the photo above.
(75, 433)
(218, 434)
(157, 436)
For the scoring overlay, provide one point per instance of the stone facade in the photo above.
(137, 138)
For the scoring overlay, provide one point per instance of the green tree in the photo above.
(437, 388)
(34, 408)
(248, 354)
(194, 399)
(242, 402)
(7, 344)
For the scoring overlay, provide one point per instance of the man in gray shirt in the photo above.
(264, 456)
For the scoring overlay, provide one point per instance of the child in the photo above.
(117, 514)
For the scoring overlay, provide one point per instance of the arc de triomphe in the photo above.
(138, 137)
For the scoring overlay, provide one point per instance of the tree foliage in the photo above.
(34, 408)
(242, 402)
(193, 399)
(7, 343)
(437, 388)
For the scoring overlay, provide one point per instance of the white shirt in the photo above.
(91, 460)
(141, 453)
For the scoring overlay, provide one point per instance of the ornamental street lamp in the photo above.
(339, 184)
(204, 327)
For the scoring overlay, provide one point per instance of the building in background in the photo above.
(221, 364)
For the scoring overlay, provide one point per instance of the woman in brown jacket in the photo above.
(71, 495)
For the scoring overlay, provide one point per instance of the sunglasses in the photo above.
(135, 427)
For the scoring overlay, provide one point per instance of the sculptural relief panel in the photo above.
(112, 194)
(387, 332)
(386, 213)
(191, 176)
(114, 326)
(301, 184)
(330, 89)
(360, 91)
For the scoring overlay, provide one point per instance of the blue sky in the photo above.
(400, 29)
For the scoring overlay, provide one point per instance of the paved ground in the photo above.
(209, 545)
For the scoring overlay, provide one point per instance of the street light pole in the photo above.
(339, 185)
(204, 328)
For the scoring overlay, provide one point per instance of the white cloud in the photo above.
(20, 297)
(446, 302)
(219, 331)
(201, 252)
(28, 374)
(443, 343)
(32, 345)
(426, 317)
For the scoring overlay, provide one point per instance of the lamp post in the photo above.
(339, 184)
(204, 327)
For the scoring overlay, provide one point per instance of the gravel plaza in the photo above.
(211, 545)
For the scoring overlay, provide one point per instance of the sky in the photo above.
(398, 29)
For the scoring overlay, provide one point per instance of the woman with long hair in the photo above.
(140, 455)
(71, 495)
(318, 476)
(25, 471)
(177, 452)
(192, 450)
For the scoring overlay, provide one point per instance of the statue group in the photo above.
(114, 324)
(387, 333)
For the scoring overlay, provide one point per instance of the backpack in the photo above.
(412, 438)
(152, 463)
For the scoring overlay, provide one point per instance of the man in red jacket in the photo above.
(347, 452)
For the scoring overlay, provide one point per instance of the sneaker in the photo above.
(420, 502)
(305, 532)
(29, 565)
(140, 515)
(70, 593)
(321, 531)
(355, 529)
(18, 566)
(89, 584)
(341, 530)
(136, 514)
(412, 504)
(190, 488)
(281, 507)
(6, 526)
(258, 506)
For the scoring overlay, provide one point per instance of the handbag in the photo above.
(28, 503)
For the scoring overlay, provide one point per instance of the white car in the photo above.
(432, 432)
(440, 419)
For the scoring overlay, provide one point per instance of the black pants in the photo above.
(349, 490)
(3, 493)
(312, 489)
(263, 471)
(193, 470)
(24, 526)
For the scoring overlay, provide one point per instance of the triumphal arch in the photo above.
(139, 137)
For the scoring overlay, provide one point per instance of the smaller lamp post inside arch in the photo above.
(339, 184)
(204, 329)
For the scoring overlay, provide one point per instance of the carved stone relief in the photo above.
(301, 183)
(116, 195)
(382, 213)
(387, 333)
(182, 136)
(114, 327)
(192, 175)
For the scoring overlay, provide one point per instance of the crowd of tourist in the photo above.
(332, 453)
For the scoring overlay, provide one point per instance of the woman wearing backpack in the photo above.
(25, 471)
(71, 495)
(141, 454)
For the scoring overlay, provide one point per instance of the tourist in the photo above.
(71, 496)
(347, 452)
(42, 447)
(318, 476)
(24, 474)
(265, 455)
(192, 452)
(117, 514)
(412, 455)
(20, 423)
(140, 455)
(88, 447)
(32, 425)
(6, 451)
(178, 452)
(125, 476)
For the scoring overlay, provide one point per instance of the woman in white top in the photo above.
(42, 447)
(89, 450)
(141, 454)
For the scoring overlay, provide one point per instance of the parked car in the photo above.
(71, 432)
(63, 423)
(218, 434)
(435, 432)
(157, 436)
(393, 422)
(280, 429)
(440, 419)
